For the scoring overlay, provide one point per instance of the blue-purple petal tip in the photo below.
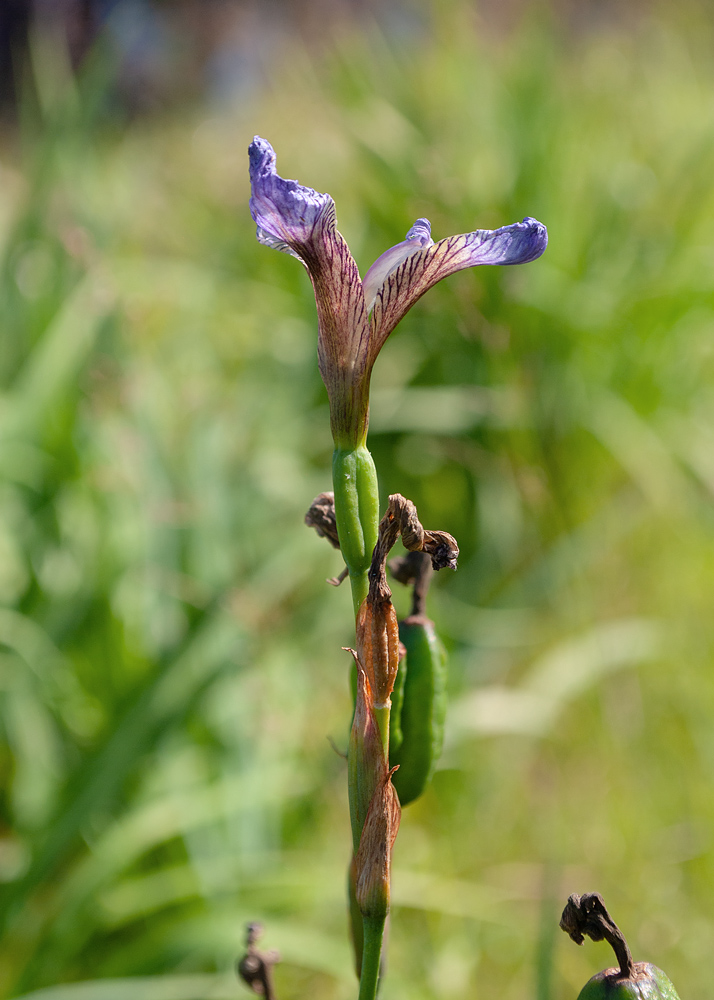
(281, 208)
(529, 240)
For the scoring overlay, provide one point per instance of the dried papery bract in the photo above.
(366, 758)
(374, 856)
(378, 645)
(321, 517)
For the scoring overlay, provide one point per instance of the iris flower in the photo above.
(355, 316)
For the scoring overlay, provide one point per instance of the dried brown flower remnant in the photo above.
(588, 915)
(402, 519)
(321, 517)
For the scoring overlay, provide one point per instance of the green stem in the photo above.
(359, 583)
(354, 480)
(382, 715)
(371, 957)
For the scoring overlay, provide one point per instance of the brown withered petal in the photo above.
(402, 519)
(374, 856)
(377, 628)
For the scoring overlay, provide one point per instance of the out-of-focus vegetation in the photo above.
(170, 666)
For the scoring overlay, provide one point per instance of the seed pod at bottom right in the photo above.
(587, 915)
(423, 708)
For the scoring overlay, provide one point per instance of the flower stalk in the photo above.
(355, 318)
(354, 479)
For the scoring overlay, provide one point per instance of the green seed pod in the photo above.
(423, 707)
(587, 915)
(397, 698)
(647, 983)
(356, 507)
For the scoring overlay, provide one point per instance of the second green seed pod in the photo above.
(423, 709)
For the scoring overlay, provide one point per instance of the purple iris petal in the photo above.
(515, 244)
(418, 237)
(282, 209)
(302, 222)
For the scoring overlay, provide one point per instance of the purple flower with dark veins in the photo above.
(356, 316)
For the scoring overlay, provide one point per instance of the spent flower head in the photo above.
(356, 316)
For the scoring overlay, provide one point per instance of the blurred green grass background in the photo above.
(170, 664)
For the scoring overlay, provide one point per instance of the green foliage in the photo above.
(170, 662)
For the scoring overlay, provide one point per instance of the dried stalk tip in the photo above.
(256, 967)
(587, 915)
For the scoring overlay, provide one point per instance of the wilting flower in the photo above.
(356, 316)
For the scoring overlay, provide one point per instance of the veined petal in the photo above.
(418, 237)
(515, 244)
(282, 209)
(302, 222)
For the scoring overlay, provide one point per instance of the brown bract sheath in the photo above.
(378, 646)
(366, 760)
(373, 860)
